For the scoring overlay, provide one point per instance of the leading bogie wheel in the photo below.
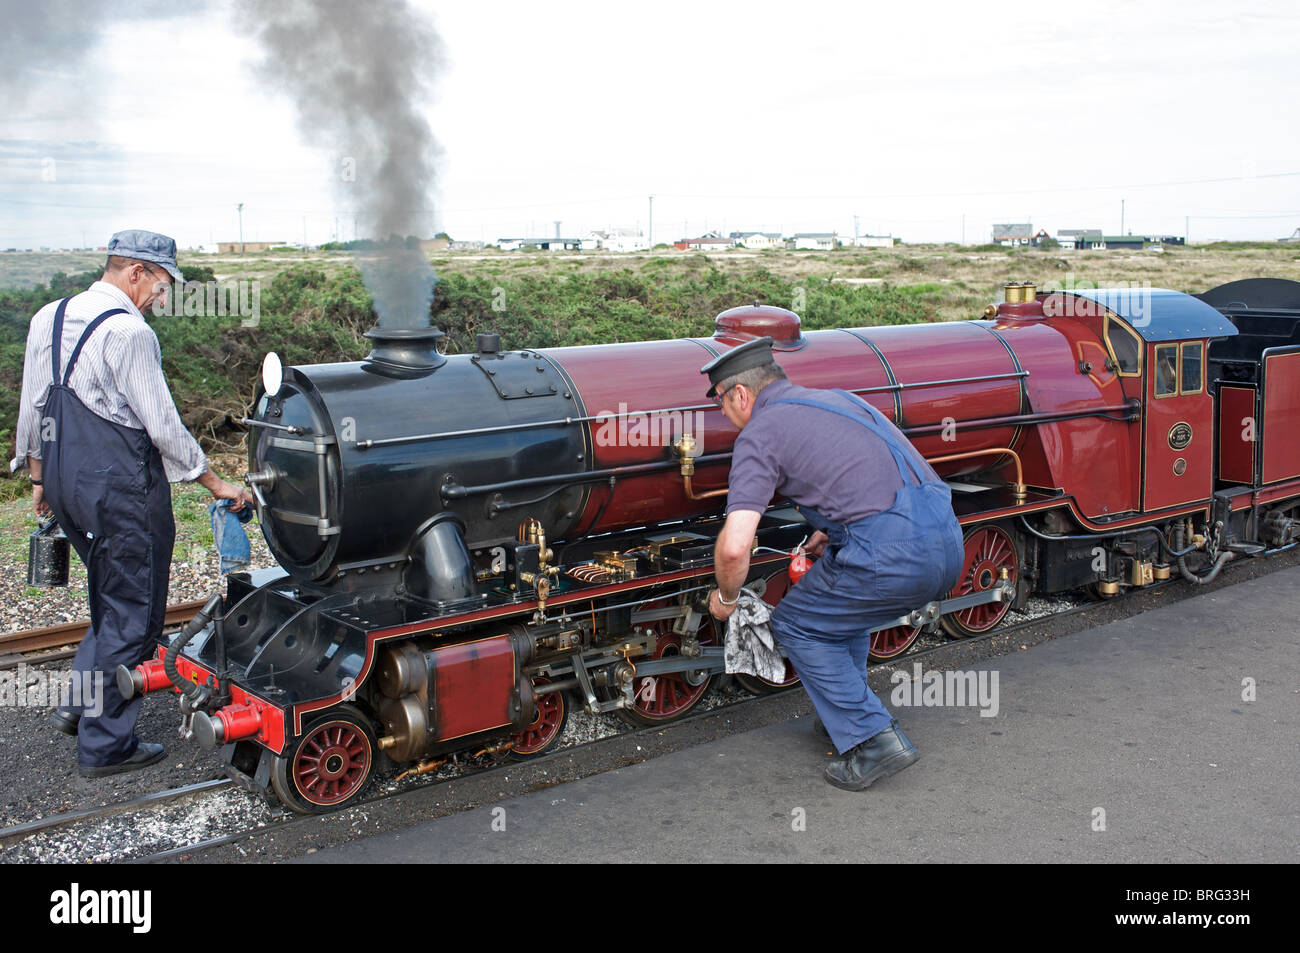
(328, 766)
(989, 550)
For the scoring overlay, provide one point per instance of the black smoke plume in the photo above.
(359, 74)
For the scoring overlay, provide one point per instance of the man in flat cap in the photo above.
(883, 525)
(101, 436)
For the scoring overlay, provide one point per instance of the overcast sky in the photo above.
(747, 115)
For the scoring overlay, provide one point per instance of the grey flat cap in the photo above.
(749, 355)
(146, 246)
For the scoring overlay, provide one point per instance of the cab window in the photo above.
(1125, 347)
(1191, 368)
(1166, 370)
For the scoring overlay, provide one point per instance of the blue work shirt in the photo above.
(812, 457)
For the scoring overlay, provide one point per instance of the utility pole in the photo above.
(650, 229)
(240, 209)
(855, 231)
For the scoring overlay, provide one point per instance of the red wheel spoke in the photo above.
(546, 725)
(990, 550)
(333, 761)
(890, 643)
(663, 697)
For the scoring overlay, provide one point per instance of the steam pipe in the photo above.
(1116, 534)
(707, 494)
(1129, 409)
(1017, 488)
(1224, 558)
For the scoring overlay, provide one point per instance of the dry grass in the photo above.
(954, 281)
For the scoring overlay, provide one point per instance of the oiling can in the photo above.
(799, 565)
(47, 556)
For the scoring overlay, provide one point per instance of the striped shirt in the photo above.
(118, 376)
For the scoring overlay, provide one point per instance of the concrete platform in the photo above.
(1128, 743)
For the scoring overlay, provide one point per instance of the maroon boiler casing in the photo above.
(941, 383)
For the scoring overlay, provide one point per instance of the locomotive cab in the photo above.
(1156, 343)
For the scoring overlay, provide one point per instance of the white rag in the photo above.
(750, 647)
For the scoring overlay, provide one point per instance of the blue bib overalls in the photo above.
(106, 485)
(873, 571)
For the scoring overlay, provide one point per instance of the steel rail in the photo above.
(87, 813)
(71, 633)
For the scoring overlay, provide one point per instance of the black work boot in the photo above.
(65, 721)
(878, 757)
(146, 753)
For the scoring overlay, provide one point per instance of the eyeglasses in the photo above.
(721, 395)
(165, 279)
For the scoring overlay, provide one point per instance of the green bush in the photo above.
(311, 316)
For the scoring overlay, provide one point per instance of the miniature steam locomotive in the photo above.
(471, 543)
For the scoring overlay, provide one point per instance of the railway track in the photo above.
(15, 834)
(15, 644)
(19, 831)
(10, 836)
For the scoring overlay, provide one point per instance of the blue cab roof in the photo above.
(1158, 314)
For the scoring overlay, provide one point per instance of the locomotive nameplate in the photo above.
(1180, 436)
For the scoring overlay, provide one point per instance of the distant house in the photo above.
(874, 241)
(1125, 242)
(758, 240)
(248, 248)
(1081, 238)
(710, 242)
(540, 244)
(617, 240)
(816, 241)
(1041, 236)
(1015, 234)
